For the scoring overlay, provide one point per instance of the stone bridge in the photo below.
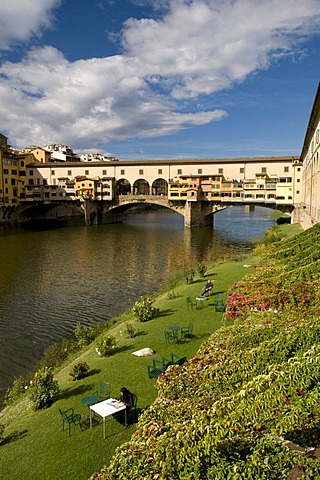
(195, 213)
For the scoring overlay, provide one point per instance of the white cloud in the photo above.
(196, 49)
(21, 19)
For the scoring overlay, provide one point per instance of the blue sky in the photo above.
(149, 79)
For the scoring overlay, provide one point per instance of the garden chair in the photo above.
(174, 360)
(69, 417)
(103, 390)
(187, 332)
(171, 336)
(156, 369)
(191, 304)
(134, 406)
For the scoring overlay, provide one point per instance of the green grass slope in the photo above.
(247, 404)
(34, 446)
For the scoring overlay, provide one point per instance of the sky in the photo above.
(159, 79)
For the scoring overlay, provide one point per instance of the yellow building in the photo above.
(13, 173)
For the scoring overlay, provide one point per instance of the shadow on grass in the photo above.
(71, 392)
(92, 372)
(122, 349)
(165, 313)
(14, 436)
(139, 334)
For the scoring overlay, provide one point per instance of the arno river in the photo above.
(53, 278)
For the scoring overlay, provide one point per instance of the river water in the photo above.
(52, 278)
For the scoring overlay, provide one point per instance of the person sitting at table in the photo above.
(206, 289)
(127, 399)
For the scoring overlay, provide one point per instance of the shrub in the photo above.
(130, 331)
(43, 388)
(105, 346)
(17, 389)
(1, 433)
(85, 334)
(58, 353)
(79, 371)
(201, 270)
(143, 309)
(172, 295)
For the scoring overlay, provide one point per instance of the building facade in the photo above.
(309, 213)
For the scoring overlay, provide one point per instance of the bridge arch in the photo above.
(141, 187)
(123, 187)
(159, 187)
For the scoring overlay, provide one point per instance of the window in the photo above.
(22, 163)
(199, 171)
(6, 171)
(298, 191)
(53, 172)
(104, 172)
(298, 180)
(69, 172)
(286, 169)
(31, 173)
(122, 172)
(241, 170)
(13, 181)
(220, 171)
(263, 169)
(140, 172)
(160, 171)
(179, 171)
(14, 172)
(86, 172)
(299, 169)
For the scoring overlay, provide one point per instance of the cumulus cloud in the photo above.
(21, 19)
(169, 64)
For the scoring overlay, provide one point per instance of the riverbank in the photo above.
(29, 436)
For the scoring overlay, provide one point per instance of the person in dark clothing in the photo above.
(127, 399)
(206, 289)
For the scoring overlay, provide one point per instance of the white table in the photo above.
(106, 408)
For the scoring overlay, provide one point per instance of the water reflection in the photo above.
(53, 278)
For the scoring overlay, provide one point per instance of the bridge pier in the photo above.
(249, 208)
(198, 214)
(93, 212)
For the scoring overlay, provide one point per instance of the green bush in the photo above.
(17, 389)
(85, 334)
(58, 353)
(43, 388)
(105, 346)
(79, 370)
(130, 331)
(143, 309)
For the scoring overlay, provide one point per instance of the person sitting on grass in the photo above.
(206, 289)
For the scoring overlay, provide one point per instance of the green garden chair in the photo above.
(103, 390)
(69, 418)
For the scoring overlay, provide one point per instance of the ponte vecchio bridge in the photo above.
(195, 188)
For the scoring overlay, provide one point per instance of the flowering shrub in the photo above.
(105, 346)
(143, 309)
(43, 388)
(79, 371)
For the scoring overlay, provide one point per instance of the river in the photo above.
(52, 278)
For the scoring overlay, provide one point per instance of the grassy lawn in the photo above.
(36, 448)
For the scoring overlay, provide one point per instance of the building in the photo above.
(61, 153)
(13, 174)
(309, 213)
